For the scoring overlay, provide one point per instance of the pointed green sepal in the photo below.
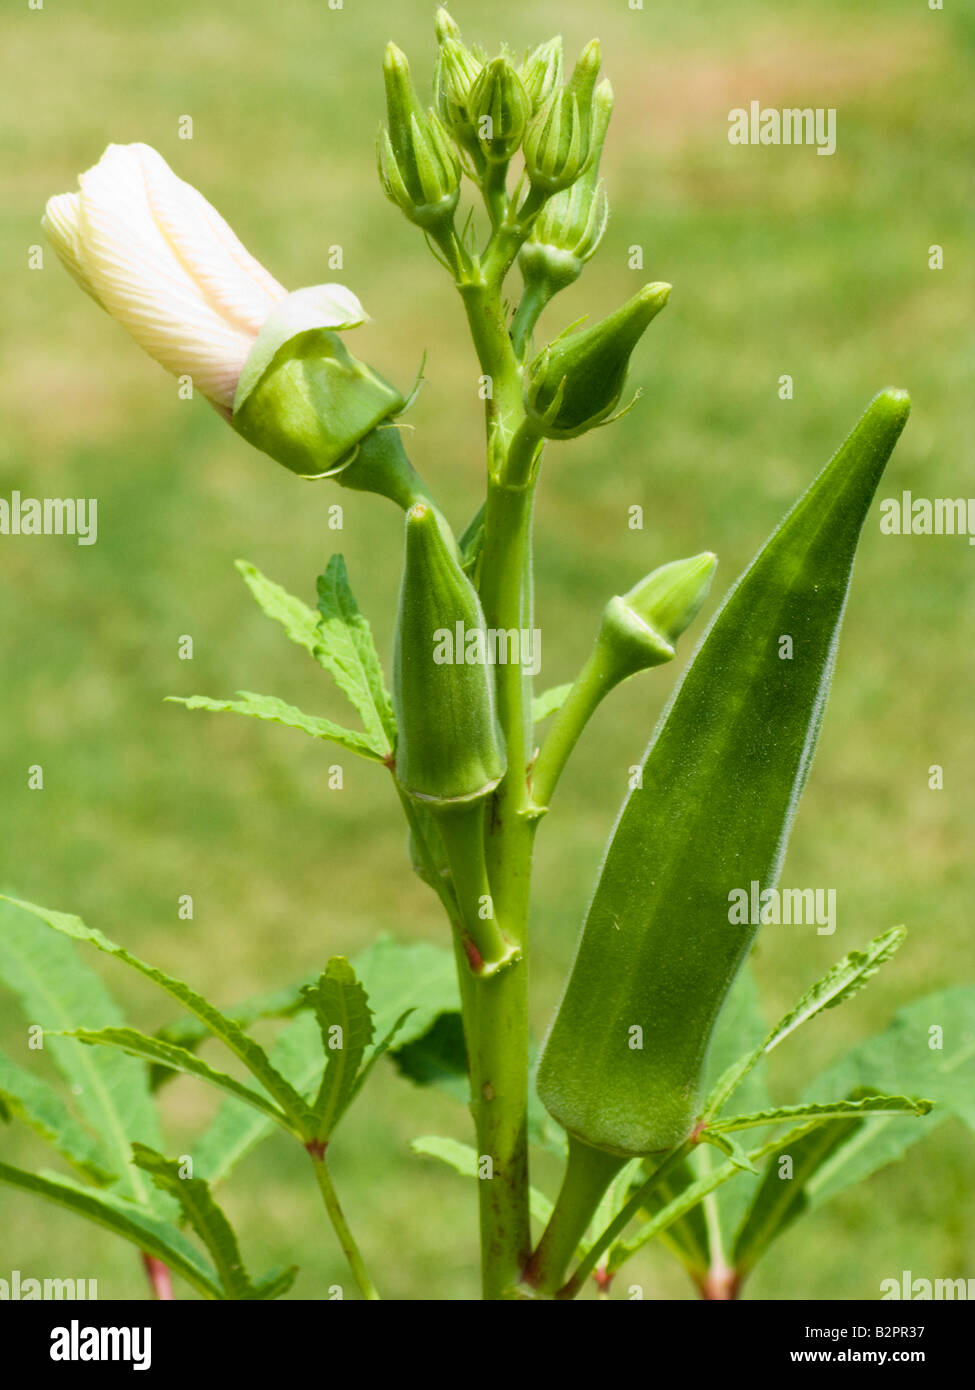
(541, 72)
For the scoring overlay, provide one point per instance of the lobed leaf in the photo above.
(839, 984)
(27, 1097)
(347, 651)
(275, 711)
(209, 1222)
(155, 1050)
(133, 1222)
(251, 1053)
(57, 991)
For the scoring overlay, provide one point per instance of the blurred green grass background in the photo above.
(782, 262)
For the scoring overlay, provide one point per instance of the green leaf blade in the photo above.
(160, 1053)
(58, 992)
(28, 1098)
(275, 711)
(839, 984)
(243, 1046)
(347, 651)
(134, 1223)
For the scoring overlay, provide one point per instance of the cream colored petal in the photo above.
(142, 282)
(61, 224)
(232, 281)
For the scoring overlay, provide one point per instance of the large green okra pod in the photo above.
(624, 1058)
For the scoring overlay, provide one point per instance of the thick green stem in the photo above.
(339, 1223)
(588, 1173)
(496, 1029)
(496, 1005)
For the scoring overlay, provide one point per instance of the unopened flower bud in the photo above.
(449, 748)
(541, 72)
(556, 143)
(640, 628)
(418, 166)
(577, 381)
(446, 26)
(456, 73)
(571, 224)
(500, 108)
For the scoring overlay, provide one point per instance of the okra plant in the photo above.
(649, 1084)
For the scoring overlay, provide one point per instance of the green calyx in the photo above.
(500, 108)
(571, 224)
(577, 381)
(449, 748)
(418, 166)
(640, 629)
(306, 401)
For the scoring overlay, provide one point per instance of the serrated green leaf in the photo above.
(57, 991)
(131, 1221)
(740, 1022)
(550, 701)
(298, 620)
(275, 711)
(346, 649)
(209, 1222)
(823, 1109)
(902, 1058)
(190, 1032)
(344, 1018)
(692, 1195)
(251, 1053)
(152, 1049)
(25, 1096)
(778, 1201)
(237, 1129)
(464, 1160)
(729, 1147)
(839, 984)
(417, 979)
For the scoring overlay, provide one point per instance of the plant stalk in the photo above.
(339, 1224)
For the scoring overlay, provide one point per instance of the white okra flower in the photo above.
(159, 258)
